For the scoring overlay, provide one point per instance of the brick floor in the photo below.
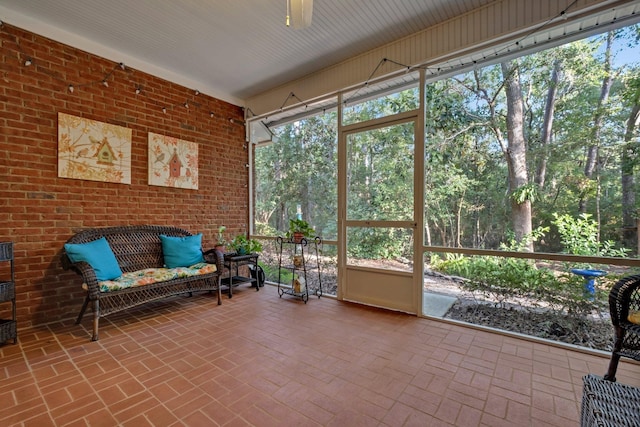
(261, 360)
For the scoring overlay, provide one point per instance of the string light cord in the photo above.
(27, 60)
(435, 71)
(292, 95)
(375, 70)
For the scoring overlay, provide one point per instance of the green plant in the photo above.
(243, 245)
(514, 245)
(525, 192)
(300, 226)
(508, 280)
(221, 241)
(580, 236)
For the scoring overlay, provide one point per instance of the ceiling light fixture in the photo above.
(299, 13)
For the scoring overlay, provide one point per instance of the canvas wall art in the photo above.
(92, 150)
(172, 162)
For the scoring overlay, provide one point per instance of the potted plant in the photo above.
(221, 242)
(299, 228)
(242, 245)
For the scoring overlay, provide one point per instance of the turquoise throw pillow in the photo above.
(182, 251)
(98, 254)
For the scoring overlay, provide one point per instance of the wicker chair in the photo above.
(624, 297)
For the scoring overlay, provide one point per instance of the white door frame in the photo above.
(383, 288)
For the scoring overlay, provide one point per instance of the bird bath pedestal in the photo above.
(589, 277)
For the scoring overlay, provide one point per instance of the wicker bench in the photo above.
(608, 403)
(137, 248)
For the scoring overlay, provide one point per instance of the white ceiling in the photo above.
(230, 49)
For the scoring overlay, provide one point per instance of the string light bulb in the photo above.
(28, 61)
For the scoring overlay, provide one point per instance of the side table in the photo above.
(231, 262)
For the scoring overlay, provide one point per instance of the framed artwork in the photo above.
(92, 150)
(172, 162)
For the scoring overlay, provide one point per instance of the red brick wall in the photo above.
(39, 211)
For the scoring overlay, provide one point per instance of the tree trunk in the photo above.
(628, 160)
(547, 124)
(282, 220)
(516, 152)
(459, 221)
(592, 151)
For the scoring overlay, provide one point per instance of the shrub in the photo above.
(580, 236)
(509, 280)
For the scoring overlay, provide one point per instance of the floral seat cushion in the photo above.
(154, 275)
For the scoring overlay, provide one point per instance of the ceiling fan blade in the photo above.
(301, 13)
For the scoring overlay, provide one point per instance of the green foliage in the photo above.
(298, 169)
(522, 245)
(377, 243)
(264, 229)
(506, 280)
(580, 236)
(497, 278)
(386, 105)
(525, 192)
(271, 273)
(467, 196)
(380, 182)
(300, 226)
(243, 245)
(221, 239)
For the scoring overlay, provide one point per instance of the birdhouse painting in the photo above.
(172, 162)
(92, 150)
(105, 155)
(175, 164)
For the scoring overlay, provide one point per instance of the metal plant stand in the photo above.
(299, 259)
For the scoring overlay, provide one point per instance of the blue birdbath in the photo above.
(589, 277)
